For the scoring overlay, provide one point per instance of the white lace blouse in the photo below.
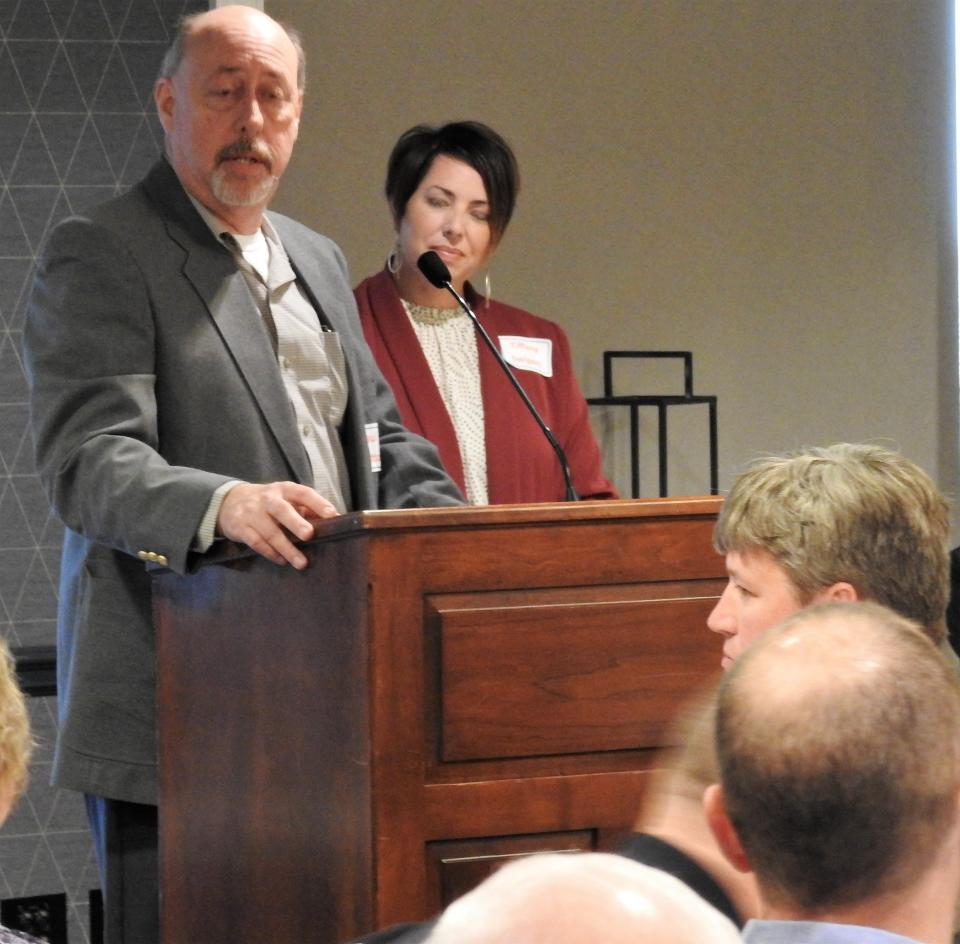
(449, 342)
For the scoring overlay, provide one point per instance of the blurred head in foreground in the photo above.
(672, 813)
(559, 898)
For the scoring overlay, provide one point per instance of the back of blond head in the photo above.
(849, 512)
(15, 743)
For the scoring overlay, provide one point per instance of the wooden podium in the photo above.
(356, 744)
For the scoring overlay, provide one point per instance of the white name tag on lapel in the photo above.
(373, 445)
(534, 354)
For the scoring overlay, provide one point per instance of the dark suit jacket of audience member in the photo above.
(407, 933)
(953, 607)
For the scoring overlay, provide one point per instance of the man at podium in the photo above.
(197, 372)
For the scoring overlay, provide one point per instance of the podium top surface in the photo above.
(512, 515)
(482, 517)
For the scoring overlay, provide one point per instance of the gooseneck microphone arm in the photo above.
(438, 275)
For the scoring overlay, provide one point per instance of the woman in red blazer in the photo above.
(452, 190)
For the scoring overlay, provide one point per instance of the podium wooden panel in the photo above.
(352, 745)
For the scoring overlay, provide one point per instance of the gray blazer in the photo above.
(152, 381)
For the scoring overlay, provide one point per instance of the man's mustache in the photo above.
(244, 147)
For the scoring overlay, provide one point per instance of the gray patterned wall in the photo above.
(76, 127)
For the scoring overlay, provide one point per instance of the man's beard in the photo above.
(243, 193)
(234, 194)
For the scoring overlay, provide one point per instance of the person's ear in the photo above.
(163, 98)
(839, 592)
(727, 839)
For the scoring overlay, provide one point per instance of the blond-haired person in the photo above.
(15, 743)
(15, 749)
(840, 523)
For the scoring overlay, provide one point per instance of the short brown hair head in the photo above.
(849, 512)
(838, 742)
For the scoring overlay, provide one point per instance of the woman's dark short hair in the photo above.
(468, 141)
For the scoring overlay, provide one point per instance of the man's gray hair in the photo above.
(175, 53)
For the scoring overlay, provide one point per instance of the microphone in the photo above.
(438, 275)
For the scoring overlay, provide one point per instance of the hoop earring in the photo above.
(486, 289)
(393, 260)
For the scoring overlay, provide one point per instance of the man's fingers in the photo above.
(313, 505)
(264, 516)
(280, 549)
(273, 544)
(286, 515)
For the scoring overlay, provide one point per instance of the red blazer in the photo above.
(521, 465)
